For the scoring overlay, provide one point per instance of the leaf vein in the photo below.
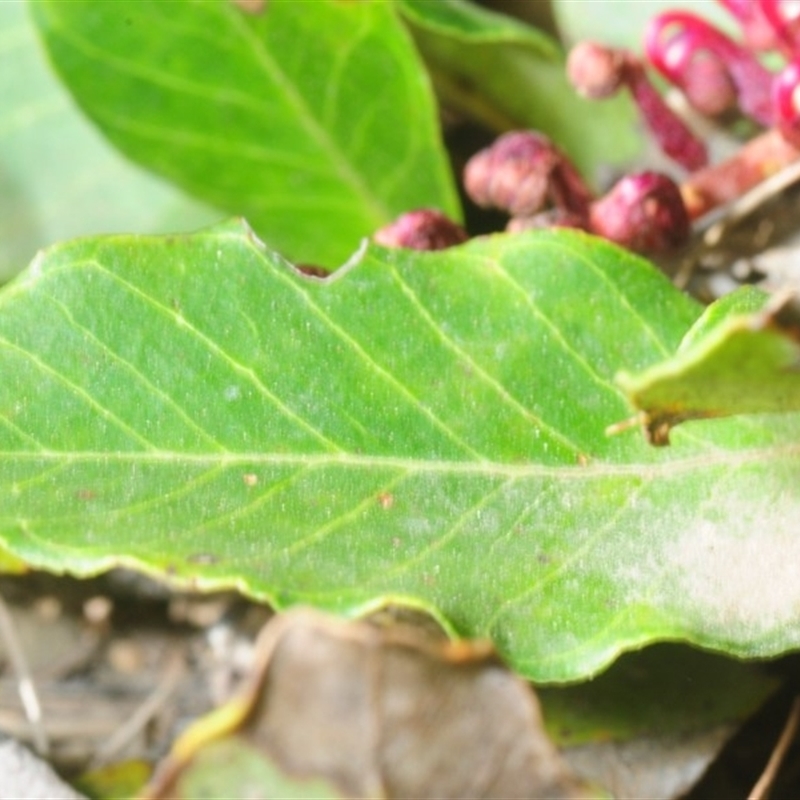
(138, 376)
(379, 370)
(468, 359)
(246, 372)
(79, 392)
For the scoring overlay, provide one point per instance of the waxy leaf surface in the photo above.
(419, 428)
(316, 121)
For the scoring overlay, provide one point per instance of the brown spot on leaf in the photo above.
(250, 479)
(657, 431)
(386, 500)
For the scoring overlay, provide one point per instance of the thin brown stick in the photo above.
(763, 785)
(26, 688)
(122, 737)
(751, 200)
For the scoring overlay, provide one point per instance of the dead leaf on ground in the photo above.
(382, 712)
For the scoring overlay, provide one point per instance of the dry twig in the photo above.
(763, 785)
(25, 684)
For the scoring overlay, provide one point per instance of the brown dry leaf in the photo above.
(384, 712)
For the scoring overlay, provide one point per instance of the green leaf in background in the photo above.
(666, 690)
(314, 120)
(730, 362)
(421, 428)
(470, 22)
(744, 300)
(509, 75)
(651, 724)
(58, 177)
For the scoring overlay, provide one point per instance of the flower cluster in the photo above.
(524, 174)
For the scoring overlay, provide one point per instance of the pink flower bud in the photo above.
(783, 16)
(674, 42)
(786, 100)
(423, 229)
(759, 32)
(596, 71)
(708, 86)
(643, 212)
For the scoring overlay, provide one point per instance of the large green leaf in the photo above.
(509, 75)
(314, 120)
(420, 428)
(46, 197)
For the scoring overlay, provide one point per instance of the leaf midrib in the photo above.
(596, 469)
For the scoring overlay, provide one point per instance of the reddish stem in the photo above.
(722, 183)
(669, 130)
(597, 71)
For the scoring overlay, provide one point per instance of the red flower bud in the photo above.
(423, 229)
(520, 171)
(643, 212)
(552, 218)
